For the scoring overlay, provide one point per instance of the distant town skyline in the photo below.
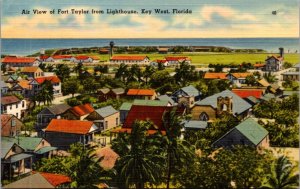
(209, 19)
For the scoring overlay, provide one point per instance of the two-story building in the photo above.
(186, 96)
(32, 72)
(10, 125)
(13, 105)
(275, 63)
(238, 78)
(49, 113)
(36, 84)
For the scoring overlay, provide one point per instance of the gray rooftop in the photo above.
(195, 124)
(59, 109)
(31, 181)
(5, 147)
(126, 106)
(190, 90)
(119, 91)
(104, 90)
(239, 105)
(166, 98)
(106, 111)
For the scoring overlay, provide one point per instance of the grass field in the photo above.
(216, 58)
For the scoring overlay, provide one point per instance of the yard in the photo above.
(214, 58)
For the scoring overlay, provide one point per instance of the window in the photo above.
(10, 107)
(224, 107)
(106, 125)
(13, 122)
(17, 105)
(23, 103)
(203, 117)
(117, 121)
(17, 115)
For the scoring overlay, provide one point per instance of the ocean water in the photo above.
(31, 46)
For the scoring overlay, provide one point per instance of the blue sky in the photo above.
(210, 18)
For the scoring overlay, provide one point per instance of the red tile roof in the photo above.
(31, 69)
(24, 84)
(152, 113)
(241, 75)
(176, 58)
(141, 92)
(82, 57)
(10, 59)
(83, 109)
(55, 179)
(5, 100)
(244, 93)
(44, 57)
(209, 75)
(161, 61)
(53, 79)
(139, 58)
(69, 126)
(62, 57)
(279, 58)
(259, 65)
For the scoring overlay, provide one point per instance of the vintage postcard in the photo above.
(149, 94)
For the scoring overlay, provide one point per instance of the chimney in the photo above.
(281, 51)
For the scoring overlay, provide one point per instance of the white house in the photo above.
(81, 59)
(130, 59)
(238, 78)
(274, 63)
(13, 61)
(165, 63)
(174, 60)
(61, 58)
(55, 81)
(45, 58)
(13, 105)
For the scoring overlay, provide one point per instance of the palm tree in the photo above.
(46, 94)
(177, 149)
(283, 175)
(122, 72)
(149, 70)
(142, 163)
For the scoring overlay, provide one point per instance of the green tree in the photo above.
(62, 71)
(139, 162)
(250, 80)
(283, 175)
(161, 77)
(149, 70)
(83, 166)
(89, 85)
(46, 94)
(122, 72)
(177, 149)
(70, 86)
(185, 73)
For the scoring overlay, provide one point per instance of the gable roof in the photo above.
(275, 57)
(190, 90)
(83, 109)
(10, 59)
(239, 105)
(166, 98)
(141, 92)
(209, 75)
(195, 124)
(241, 75)
(244, 93)
(31, 181)
(106, 111)
(150, 102)
(104, 90)
(176, 58)
(27, 143)
(5, 100)
(252, 130)
(82, 57)
(53, 79)
(264, 82)
(118, 90)
(125, 106)
(5, 118)
(55, 179)
(138, 58)
(5, 147)
(24, 84)
(62, 56)
(58, 109)
(31, 69)
(69, 126)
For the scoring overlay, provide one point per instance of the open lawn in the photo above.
(215, 58)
